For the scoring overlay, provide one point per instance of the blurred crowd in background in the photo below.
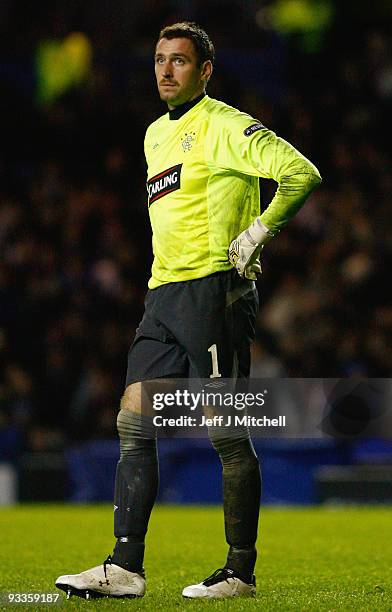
(77, 93)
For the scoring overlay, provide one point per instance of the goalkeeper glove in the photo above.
(244, 251)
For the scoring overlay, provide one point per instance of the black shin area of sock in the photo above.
(135, 490)
(241, 501)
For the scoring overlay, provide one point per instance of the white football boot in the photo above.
(106, 580)
(224, 582)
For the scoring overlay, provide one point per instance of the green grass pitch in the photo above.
(309, 559)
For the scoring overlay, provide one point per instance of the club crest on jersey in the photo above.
(188, 141)
(253, 128)
(163, 183)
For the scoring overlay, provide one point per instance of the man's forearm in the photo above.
(290, 196)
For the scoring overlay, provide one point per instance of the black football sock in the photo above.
(242, 561)
(135, 488)
(241, 500)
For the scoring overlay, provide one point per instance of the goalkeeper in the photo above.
(204, 161)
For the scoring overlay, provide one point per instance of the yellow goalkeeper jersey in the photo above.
(203, 187)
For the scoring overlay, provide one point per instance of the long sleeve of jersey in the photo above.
(244, 145)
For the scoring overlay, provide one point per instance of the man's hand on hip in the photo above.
(244, 251)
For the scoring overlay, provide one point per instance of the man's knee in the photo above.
(137, 436)
(139, 397)
(238, 453)
(131, 400)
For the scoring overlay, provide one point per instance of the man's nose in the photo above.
(167, 70)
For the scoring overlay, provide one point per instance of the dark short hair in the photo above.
(188, 29)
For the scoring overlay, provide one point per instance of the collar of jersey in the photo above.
(179, 111)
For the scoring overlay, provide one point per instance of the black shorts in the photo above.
(198, 329)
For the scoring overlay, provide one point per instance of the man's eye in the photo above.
(179, 60)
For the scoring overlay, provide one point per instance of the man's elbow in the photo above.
(316, 177)
(301, 182)
(311, 179)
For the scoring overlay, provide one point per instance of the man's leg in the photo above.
(241, 470)
(241, 499)
(241, 503)
(153, 356)
(136, 482)
(136, 487)
(232, 305)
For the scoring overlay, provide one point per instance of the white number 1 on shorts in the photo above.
(214, 357)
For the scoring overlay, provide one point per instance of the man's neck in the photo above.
(179, 111)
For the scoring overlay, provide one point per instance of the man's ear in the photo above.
(206, 71)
